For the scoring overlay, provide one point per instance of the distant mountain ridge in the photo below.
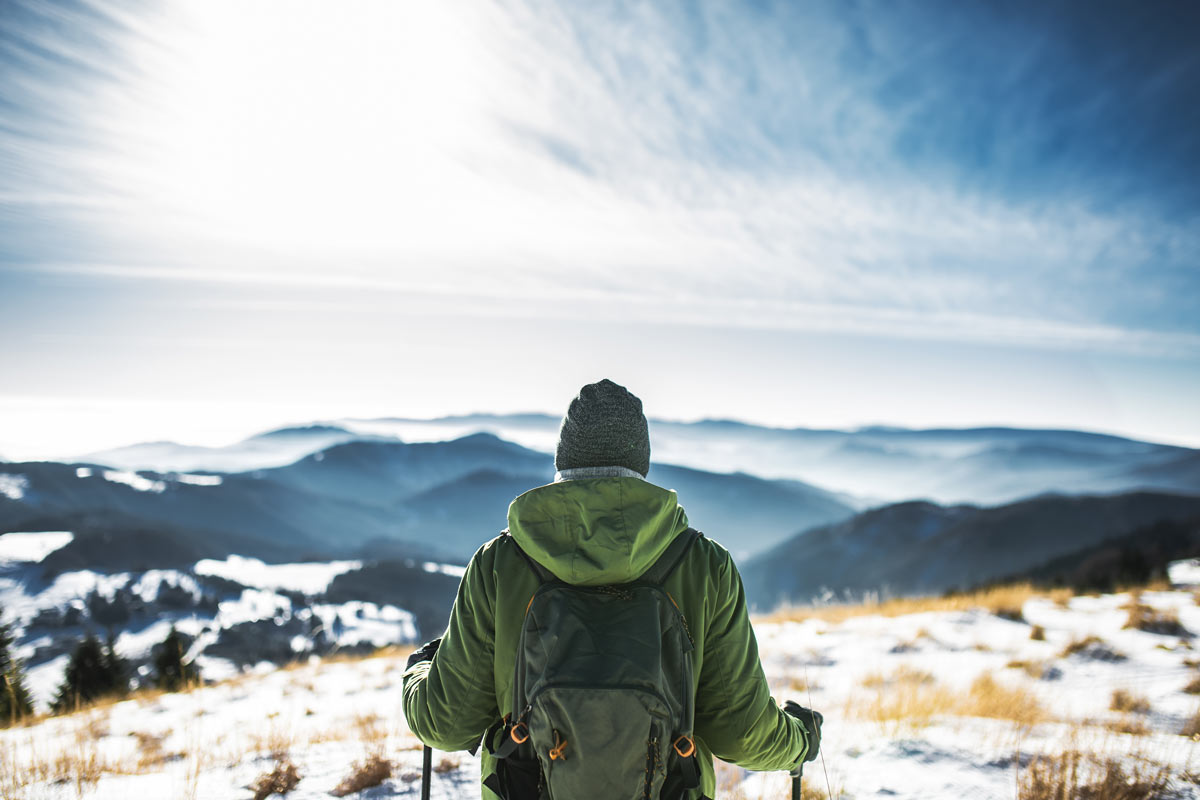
(443, 499)
(924, 548)
(987, 465)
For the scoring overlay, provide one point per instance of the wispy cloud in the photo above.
(879, 170)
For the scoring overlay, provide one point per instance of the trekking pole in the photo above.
(426, 769)
(796, 782)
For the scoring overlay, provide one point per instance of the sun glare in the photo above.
(311, 125)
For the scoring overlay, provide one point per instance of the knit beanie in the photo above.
(604, 427)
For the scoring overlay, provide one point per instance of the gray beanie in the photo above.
(604, 427)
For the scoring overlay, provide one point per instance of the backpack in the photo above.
(603, 692)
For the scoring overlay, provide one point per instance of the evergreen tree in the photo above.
(171, 671)
(88, 677)
(14, 696)
(116, 667)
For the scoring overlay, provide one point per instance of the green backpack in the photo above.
(602, 692)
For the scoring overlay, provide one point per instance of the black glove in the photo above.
(811, 720)
(424, 652)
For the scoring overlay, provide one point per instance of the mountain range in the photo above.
(437, 500)
(875, 465)
(918, 547)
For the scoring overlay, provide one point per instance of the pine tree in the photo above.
(171, 671)
(14, 696)
(87, 678)
(116, 667)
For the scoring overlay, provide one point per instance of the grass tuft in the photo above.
(283, 778)
(1129, 703)
(1009, 599)
(1144, 618)
(1075, 775)
(446, 765)
(989, 698)
(374, 770)
(1092, 647)
(909, 700)
(1191, 728)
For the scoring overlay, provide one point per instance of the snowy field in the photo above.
(943, 704)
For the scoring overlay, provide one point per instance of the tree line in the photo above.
(93, 672)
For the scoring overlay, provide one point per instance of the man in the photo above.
(601, 524)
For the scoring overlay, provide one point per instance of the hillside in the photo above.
(933, 703)
(924, 548)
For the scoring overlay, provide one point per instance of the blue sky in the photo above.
(221, 216)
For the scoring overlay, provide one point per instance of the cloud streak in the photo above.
(828, 167)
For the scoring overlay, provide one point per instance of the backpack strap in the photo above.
(671, 558)
(543, 575)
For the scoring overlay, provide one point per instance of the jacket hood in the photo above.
(596, 531)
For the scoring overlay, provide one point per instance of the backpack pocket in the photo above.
(600, 742)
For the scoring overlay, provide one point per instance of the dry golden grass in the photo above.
(904, 674)
(1191, 728)
(1076, 775)
(1037, 633)
(1127, 724)
(372, 771)
(370, 728)
(397, 651)
(989, 698)
(446, 765)
(730, 786)
(150, 751)
(1092, 647)
(1033, 668)
(1128, 702)
(1193, 686)
(1009, 599)
(1144, 618)
(909, 700)
(282, 778)
(801, 685)
(77, 762)
(275, 742)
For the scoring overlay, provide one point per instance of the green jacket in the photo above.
(595, 532)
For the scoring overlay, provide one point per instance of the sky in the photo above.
(218, 217)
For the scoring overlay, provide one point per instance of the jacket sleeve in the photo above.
(735, 714)
(451, 700)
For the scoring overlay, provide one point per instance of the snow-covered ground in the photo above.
(905, 714)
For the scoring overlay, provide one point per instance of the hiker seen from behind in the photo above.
(601, 647)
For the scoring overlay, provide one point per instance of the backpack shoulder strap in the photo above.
(543, 575)
(671, 558)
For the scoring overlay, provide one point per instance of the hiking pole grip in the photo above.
(796, 782)
(426, 769)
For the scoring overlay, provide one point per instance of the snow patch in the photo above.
(306, 578)
(357, 622)
(32, 547)
(453, 570)
(136, 481)
(13, 486)
(199, 480)
(1184, 573)
(83, 472)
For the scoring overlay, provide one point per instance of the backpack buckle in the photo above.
(519, 738)
(684, 746)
